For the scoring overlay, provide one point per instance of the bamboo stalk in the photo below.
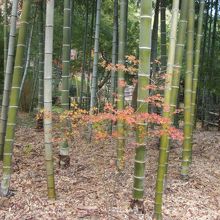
(41, 56)
(164, 143)
(14, 98)
(8, 76)
(143, 93)
(187, 144)
(48, 56)
(121, 78)
(64, 148)
(197, 58)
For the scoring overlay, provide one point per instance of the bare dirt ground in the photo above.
(91, 188)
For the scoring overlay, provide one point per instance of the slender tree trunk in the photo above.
(164, 143)
(8, 76)
(28, 53)
(48, 56)
(114, 50)
(64, 149)
(121, 80)
(35, 84)
(163, 35)
(90, 52)
(84, 53)
(41, 56)
(5, 7)
(94, 86)
(187, 144)
(180, 46)
(14, 98)
(154, 37)
(203, 63)
(197, 59)
(206, 93)
(213, 49)
(93, 100)
(143, 93)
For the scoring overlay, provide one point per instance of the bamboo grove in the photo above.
(176, 54)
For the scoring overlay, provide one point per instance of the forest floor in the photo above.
(91, 188)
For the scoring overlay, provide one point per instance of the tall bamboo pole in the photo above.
(41, 56)
(14, 98)
(48, 56)
(187, 144)
(180, 46)
(121, 79)
(64, 148)
(28, 49)
(96, 57)
(164, 143)
(5, 7)
(163, 35)
(84, 53)
(143, 93)
(155, 36)
(199, 36)
(90, 52)
(114, 50)
(8, 76)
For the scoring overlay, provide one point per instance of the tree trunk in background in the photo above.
(143, 93)
(207, 72)
(203, 64)
(28, 48)
(154, 37)
(90, 53)
(197, 59)
(5, 7)
(93, 100)
(213, 49)
(48, 61)
(14, 98)
(41, 56)
(187, 143)
(64, 148)
(163, 35)
(121, 81)
(164, 142)
(84, 54)
(114, 51)
(180, 47)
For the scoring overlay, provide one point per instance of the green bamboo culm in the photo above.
(164, 142)
(143, 93)
(114, 51)
(199, 36)
(48, 59)
(5, 6)
(155, 37)
(84, 54)
(163, 35)
(93, 101)
(180, 46)
(14, 98)
(94, 86)
(90, 54)
(64, 148)
(8, 76)
(187, 143)
(41, 56)
(28, 46)
(121, 80)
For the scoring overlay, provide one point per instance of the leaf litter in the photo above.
(91, 188)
